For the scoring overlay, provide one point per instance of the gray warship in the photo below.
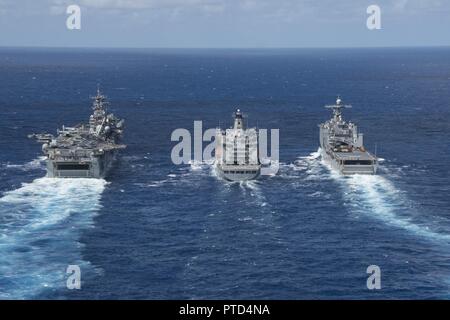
(342, 146)
(86, 150)
(237, 151)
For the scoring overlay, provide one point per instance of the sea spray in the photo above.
(374, 196)
(378, 197)
(40, 225)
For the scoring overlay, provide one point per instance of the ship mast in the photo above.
(99, 103)
(238, 120)
(337, 109)
(98, 118)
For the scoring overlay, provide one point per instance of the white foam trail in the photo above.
(212, 171)
(312, 155)
(381, 198)
(312, 166)
(40, 225)
(38, 163)
(254, 190)
(196, 165)
(376, 196)
(200, 165)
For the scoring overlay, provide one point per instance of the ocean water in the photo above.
(154, 230)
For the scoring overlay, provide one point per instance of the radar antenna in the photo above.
(238, 119)
(238, 114)
(100, 102)
(337, 108)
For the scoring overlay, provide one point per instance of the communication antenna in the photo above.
(338, 107)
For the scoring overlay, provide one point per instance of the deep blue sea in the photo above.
(154, 230)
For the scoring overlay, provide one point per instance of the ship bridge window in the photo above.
(358, 162)
(73, 167)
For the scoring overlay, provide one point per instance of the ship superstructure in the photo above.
(342, 146)
(237, 151)
(85, 150)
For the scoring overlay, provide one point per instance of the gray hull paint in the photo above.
(87, 150)
(97, 168)
(234, 143)
(342, 145)
(347, 169)
(224, 174)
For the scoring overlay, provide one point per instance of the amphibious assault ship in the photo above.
(237, 151)
(86, 150)
(342, 146)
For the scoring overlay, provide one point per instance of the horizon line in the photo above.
(220, 48)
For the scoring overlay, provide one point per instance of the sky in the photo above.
(224, 23)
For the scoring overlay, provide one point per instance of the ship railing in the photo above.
(71, 158)
(358, 169)
(343, 134)
(73, 153)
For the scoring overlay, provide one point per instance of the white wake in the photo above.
(40, 225)
(35, 164)
(378, 197)
(374, 196)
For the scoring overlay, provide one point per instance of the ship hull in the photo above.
(96, 168)
(346, 169)
(238, 173)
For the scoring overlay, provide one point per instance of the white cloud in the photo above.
(57, 10)
(134, 8)
(275, 10)
(144, 4)
(400, 5)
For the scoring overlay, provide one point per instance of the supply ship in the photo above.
(237, 151)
